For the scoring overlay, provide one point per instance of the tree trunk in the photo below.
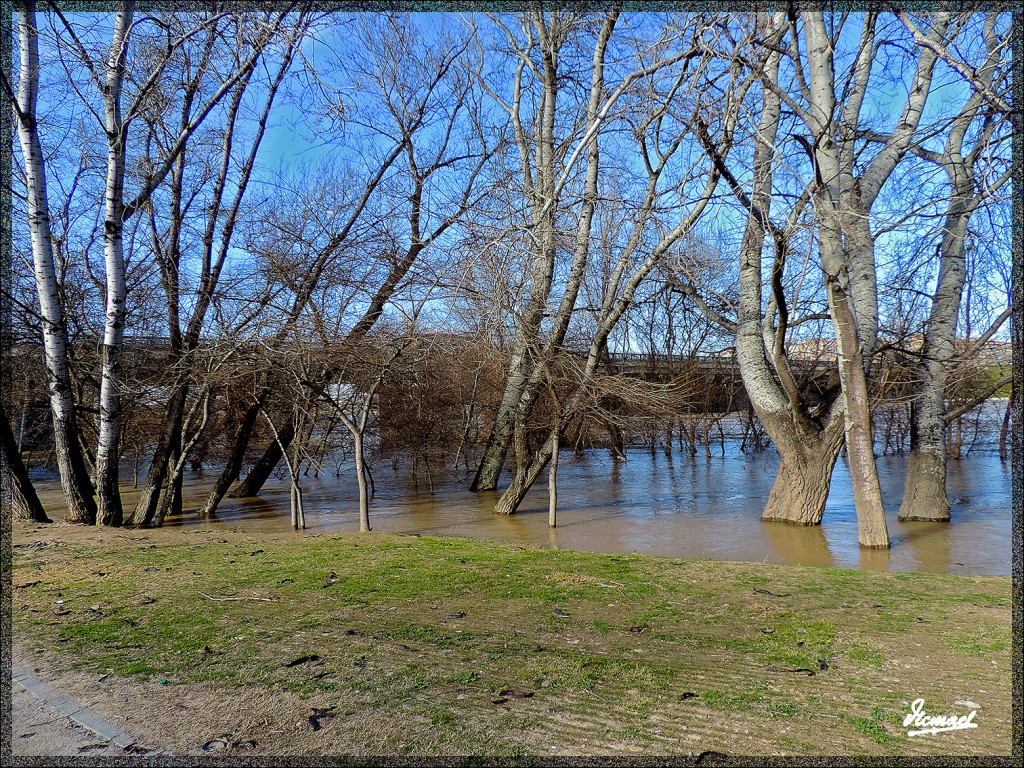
(169, 498)
(364, 498)
(617, 446)
(840, 249)
(802, 483)
(924, 496)
(542, 204)
(553, 482)
(543, 193)
(111, 380)
(74, 476)
(526, 475)
(145, 509)
(293, 506)
(260, 473)
(21, 430)
(808, 447)
(496, 449)
(172, 499)
(867, 493)
(1004, 431)
(24, 501)
(230, 472)
(470, 409)
(924, 493)
(299, 514)
(175, 481)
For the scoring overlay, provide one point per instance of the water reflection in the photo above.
(799, 545)
(653, 504)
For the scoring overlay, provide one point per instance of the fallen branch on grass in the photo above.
(797, 670)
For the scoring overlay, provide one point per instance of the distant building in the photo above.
(816, 349)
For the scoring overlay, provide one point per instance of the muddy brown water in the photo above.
(675, 507)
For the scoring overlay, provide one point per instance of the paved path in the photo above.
(46, 722)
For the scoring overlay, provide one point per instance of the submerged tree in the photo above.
(552, 135)
(672, 192)
(549, 193)
(116, 82)
(426, 111)
(971, 163)
(225, 178)
(840, 188)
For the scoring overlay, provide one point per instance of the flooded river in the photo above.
(677, 507)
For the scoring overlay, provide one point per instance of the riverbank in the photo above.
(380, 644)
(651, 504)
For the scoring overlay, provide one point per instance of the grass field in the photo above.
(374, 644)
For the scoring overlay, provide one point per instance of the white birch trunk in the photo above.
(111, 380)
(364, 497)
(553, 481)
(73, 474)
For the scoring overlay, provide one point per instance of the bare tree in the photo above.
(632, 252)
(424, 92)
(546, 166)
(972, 180)
(126, 79)
(222, 217)
(70, 460)
(351, 398)
(841, 192)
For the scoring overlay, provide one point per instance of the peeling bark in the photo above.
(111, 381)
(831, 206)
(924, 494)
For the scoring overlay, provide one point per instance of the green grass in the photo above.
(731, 701)
(982, 645)
(870, 727)
(863, 654)
(434, 629)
